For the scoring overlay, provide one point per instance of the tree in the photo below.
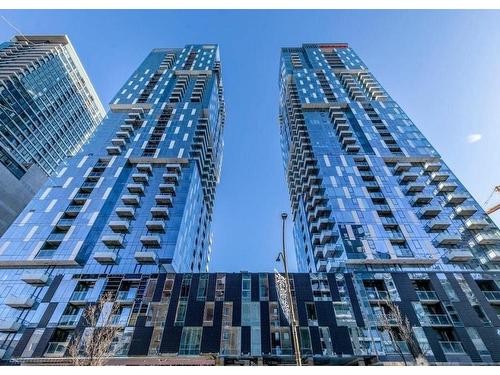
(94, 347)
(395, 324)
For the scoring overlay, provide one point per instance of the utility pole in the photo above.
(293, 320)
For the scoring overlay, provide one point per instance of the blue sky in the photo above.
(443, 68)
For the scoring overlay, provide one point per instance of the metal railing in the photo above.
(492, 295)
(439, 319)
(427, 295)
(452, 347)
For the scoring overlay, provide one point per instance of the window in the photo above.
(250, 314)
(263, 287)
(227, 314)
(181, 313)
(305, 341)
(312, 318)
(246, 287)
(255, 341)
(343, 313)
(477, 341)
(208, 314)
(185, 287)
(202, 288)
(230, 341)
(280, 341)
(190, 341)
(326, 341)
(220, 286)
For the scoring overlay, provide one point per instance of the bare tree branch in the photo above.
(94, 346)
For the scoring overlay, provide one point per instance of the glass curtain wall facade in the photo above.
(138, 198)
(370, 195)
(48, 110)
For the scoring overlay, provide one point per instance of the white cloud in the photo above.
(473, 138)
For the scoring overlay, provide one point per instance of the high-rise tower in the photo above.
(367, 189)
(48, 110)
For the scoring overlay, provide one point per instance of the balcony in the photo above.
(490, 238)
(171, 178)
(439, 176)
(493, 296)
(145, 168)
(459, 255)
(130, 199)
(438, 224)
(105, 257)
(73, 211)
(377, 295)
(447, 239)
(321, 265)
(128, 212)
(408, 177)
(383, 209)
(159, 212)
(493, 255)
(145, 256)
(446, 187)
(79, 297)
(55, 239)
(402, 167)
(465, 211)
(64, 224)
(421, 199)
(9, 325)
(69, 320)
(155, 225)
(396, 236)
(427, 296)
(430, 211)
(476, 224)
(81, 198)
(119, 226)
(87, 187)
(35, 277)
(122, 134)
(127, 128)
(389, 221)
(140, 177)
(167, 188)
(456, 198)
(136, 188)
(415, 187)
(56, 349)
(452, 347)
(174, 168)
(113, 150)
(126, 296)
(432, 166)
(439, 320)
(352, 148)
(24, 302)
(118, 142)
(113, 240)
(150, 240)
(164, 199)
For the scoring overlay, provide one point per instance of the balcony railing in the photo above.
(56, 349)
(125, 295)
(377, 294)
(427, 295)
(69, 320)
(492, 295)
(79, 295)
(439, 319)
(452, 347)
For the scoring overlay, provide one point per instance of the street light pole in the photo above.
(293, 320)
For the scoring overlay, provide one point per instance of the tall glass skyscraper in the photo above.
(48, 110)
(137, 199)
(367, 189)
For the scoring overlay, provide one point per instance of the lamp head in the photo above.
(284, 215)
(278, 258)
